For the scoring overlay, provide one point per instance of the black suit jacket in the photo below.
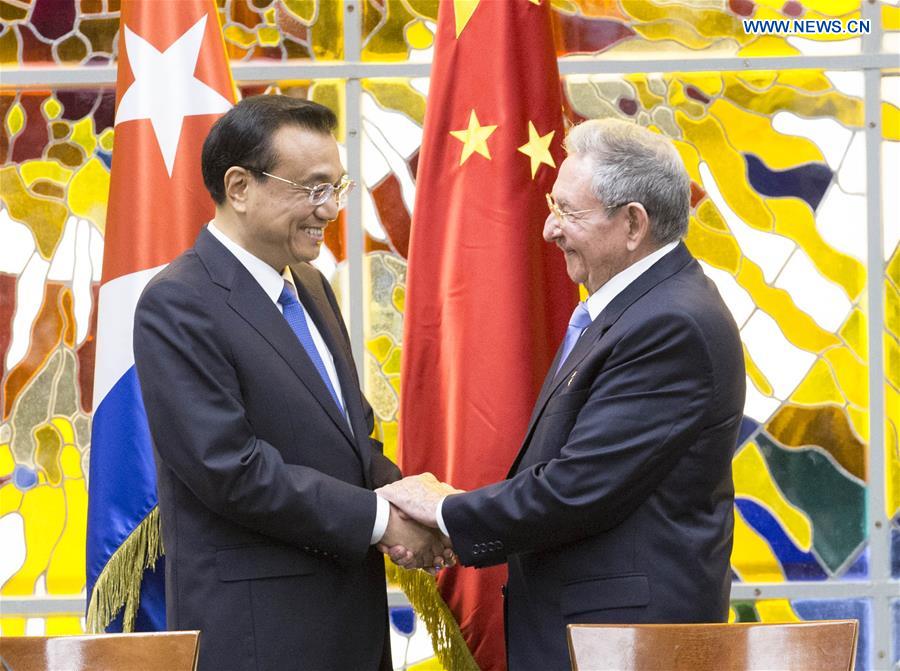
(264, 491)
(618, 508)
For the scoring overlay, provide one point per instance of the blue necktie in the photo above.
(296, 319)
(579, 321)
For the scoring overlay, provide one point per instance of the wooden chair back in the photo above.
(165, 651)
(827, 645)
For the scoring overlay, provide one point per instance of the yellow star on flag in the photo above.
(538, 148)
(462, 12)
(474, 138)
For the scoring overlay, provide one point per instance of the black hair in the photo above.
(243, 136)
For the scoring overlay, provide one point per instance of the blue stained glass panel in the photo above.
(895, 549)
(843, 609)
(403, 619)
(859, 569)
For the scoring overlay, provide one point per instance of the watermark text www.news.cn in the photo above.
(807, 26)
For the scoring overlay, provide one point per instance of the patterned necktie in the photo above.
(296, 319)
(579, 321)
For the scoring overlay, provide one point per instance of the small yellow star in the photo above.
(538, 149)
(462, 12)
(474, 138)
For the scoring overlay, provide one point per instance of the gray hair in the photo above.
(631, 163)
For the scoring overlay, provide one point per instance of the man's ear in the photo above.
(237, 183)
(637, 225)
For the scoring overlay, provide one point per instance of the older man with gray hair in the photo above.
(618, 507)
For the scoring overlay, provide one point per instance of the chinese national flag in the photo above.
(487, 299)
(173, 83)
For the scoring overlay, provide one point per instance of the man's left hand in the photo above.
(418, 496)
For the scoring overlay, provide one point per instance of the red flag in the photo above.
(173, 83)
(487, 299)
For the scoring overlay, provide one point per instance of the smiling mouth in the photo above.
(315, 232)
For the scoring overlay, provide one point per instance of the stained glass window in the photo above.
(283, 29)
(392, 116)
(86, 31)
(55, 179)
(400, 30)
(66, 32)
(655, 28)
(890, 26)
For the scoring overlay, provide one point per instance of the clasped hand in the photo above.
(412, 538)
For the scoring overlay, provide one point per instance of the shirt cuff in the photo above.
(382, 513)
(439, 514)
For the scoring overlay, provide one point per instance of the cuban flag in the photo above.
(173, 83)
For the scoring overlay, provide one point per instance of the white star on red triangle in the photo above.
(165, 89)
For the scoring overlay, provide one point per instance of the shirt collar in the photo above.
(598, 300)
(268, 278)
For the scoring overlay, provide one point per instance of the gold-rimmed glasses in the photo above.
(563, 215)
(320, 193)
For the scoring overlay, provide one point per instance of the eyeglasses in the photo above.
(320, 193)
(563, 215)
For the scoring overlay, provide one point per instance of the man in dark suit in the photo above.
(261, 433)
(618, 507)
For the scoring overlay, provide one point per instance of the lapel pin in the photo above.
(571, 378)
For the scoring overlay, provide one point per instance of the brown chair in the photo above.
(827, 645)
(165, 651)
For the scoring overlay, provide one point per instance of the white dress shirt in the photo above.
(272, 283)
(596, 302)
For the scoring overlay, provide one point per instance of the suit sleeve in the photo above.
(201, 432)
(384, 471)
(643, 410)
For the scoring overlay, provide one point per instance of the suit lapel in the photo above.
(316, 303)
(548, 385)
(249, 301)
(667, 266)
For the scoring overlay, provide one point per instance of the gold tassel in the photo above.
(446, 638)
(119, 583)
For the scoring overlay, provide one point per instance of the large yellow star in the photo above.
(474, 138)
(538, 149)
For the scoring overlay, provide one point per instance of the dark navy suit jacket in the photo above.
(264, 491)
(618, 508)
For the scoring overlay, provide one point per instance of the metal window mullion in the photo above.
(43, 606)
(809, 589)
(250, 72)
(355, 309)
(878, 524)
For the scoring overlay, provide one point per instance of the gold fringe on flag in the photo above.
(119, 583)
(446, 638)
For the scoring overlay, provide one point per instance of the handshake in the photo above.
(412, 538)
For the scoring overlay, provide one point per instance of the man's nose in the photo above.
(551, 228)
(328, 210)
